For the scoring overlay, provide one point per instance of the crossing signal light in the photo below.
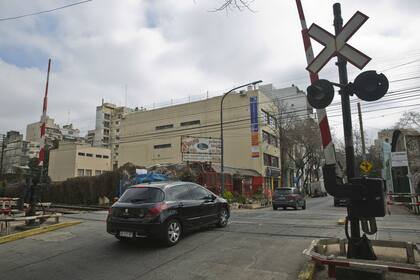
(320, 94)
(370, 86)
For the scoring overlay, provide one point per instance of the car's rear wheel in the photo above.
(173, 232)
(274, 207)
(304, 205)
(223, 218)
(284, 208)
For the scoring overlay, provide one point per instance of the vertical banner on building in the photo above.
(253, 103)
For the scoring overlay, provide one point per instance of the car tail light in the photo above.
(156, 209)
(109, 210)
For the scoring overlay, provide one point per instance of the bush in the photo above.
(228, 196)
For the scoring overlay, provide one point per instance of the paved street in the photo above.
(257, 244)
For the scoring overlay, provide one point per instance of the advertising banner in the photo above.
(253, 104)
(200, 149)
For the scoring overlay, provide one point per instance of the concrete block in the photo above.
(350, 273)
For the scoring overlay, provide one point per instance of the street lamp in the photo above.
(222, 179)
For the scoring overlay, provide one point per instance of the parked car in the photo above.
(165, 210)
(288, 197)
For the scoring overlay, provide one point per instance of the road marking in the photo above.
(31, 232)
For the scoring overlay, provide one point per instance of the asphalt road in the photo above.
(257, 244)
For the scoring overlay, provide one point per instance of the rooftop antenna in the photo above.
(125, 95)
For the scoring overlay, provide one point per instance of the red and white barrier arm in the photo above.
(324, 126)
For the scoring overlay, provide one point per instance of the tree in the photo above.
(409, 119)
(235, 4)
(300, 143)
(306, 153)
(283, 123)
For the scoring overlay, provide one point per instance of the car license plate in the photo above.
(126, 234)
(282, 198)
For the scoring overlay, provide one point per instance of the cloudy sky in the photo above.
(149, 52)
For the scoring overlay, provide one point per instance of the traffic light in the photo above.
(320, 94)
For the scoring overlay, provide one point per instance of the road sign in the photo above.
(366, 166)
(335, 45)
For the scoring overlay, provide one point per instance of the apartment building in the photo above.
(107, 128)
(17, 152)
(154, 136)
(52, 132)
(291, 99)
(76, 160)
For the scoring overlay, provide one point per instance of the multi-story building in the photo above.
(75, 160)
(154, 136)
(52, 132)
(290, 99)
(90, 137)
(17, 152)
(71, 134)
(292, 104)
(107, 128)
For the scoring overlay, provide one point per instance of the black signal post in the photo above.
(348, 132)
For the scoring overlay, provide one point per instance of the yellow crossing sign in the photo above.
(365, 166)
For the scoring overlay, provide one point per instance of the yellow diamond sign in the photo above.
(366, 166)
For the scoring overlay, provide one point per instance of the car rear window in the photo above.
(142, 195)
(284, 191)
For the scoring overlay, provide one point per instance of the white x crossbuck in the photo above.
(335, 45)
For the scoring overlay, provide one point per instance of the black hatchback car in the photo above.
(165, 210)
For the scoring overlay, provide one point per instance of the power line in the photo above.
(46, 11)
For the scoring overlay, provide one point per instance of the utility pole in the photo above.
(362, 134)
(3, 146)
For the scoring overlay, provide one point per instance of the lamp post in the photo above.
(222, 178)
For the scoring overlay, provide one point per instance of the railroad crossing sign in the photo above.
(366, 166)
(335, 45)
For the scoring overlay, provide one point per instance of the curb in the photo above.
(31, 232)
(307, 272)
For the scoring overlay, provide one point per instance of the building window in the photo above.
(88, 172)
(106, 131)
(80, 172)
(166, 126)
(190, 123)
(162, 146)
(270, 138)
(265, 117)
(99, 156)
(274, 161)
(117, 122)
(117, 130)
(81, 154)
(89, 155)
(104, 156)
(266, 136)
(107, 116)
(270, 160)
(267, 160)
(97, 172)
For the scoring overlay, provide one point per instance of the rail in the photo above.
(414, 205)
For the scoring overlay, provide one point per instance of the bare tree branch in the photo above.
(240, 5)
